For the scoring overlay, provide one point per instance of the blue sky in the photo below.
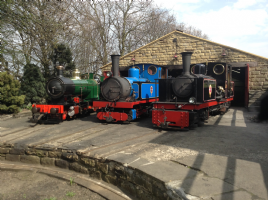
(242, 24)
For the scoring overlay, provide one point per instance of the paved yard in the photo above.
(230, 147)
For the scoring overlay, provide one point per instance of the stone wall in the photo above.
(130, 180)
(255, 97)
(163, 50)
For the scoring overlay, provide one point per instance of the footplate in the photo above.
(112, 116)
(170, 118)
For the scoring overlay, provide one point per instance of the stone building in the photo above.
(250, 72)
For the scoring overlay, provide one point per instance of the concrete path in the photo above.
(225, 159)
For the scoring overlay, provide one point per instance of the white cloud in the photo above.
(177, 2)
(187, 1)
(229, 21)
(258, 48)
(164, 4)
(242, 25)
(244, 3)
(234, 27)
(180, 5)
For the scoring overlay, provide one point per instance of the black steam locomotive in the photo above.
(187, 100)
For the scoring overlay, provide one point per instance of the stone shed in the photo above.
(250, 71)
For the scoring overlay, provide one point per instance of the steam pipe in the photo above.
(186, 62)
(115, 64)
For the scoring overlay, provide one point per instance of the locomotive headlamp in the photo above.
(192, 100)
(71, 111)
(109, 74)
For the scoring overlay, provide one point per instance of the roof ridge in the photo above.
(189, 36)
(141, 48)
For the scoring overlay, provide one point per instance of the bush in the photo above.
(10, 100)
(33, 84)
(28, 106)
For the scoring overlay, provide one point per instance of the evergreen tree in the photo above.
(10, 100)
(33, 84)
(63, 56)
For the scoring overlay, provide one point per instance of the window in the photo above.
(192, 69)
(152, 70)
(218, 69)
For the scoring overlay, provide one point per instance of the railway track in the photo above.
(15, 137)
(9, 132)
(95, 138)
(61, 137)
(112, 148)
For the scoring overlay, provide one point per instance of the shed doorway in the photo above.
(240, 78)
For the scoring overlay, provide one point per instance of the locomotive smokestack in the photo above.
(59, 71)
(115, 64)
(186, 62)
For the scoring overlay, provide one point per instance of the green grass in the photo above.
(51, 198)
(71, 181)
(70, 194)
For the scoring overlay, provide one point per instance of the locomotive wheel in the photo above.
(109, 119)
(193, 126)
(85, 113)
(200, 123)
(129, 118)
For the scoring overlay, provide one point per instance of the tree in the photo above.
(92, 29)
(191, 30)
(30, 31)
(101, 28)
(10, 100)
(63, 56)
(129, 16)
(94, 40)
(33, 84)
(3, 64)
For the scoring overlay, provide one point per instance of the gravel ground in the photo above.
(24, 185)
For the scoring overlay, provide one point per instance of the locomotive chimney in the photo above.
(59, 71)
(186, 62)
(115, 64)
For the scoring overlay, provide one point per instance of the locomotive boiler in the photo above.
(127, 98)
(187, 100)
(69, 97)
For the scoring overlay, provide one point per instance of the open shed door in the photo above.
(246, 85)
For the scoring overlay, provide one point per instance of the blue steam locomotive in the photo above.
(127, 98)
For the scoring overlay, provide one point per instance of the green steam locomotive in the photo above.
(69, 97)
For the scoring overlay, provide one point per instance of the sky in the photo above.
(242, 24)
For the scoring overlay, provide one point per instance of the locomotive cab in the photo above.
(200, 69)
